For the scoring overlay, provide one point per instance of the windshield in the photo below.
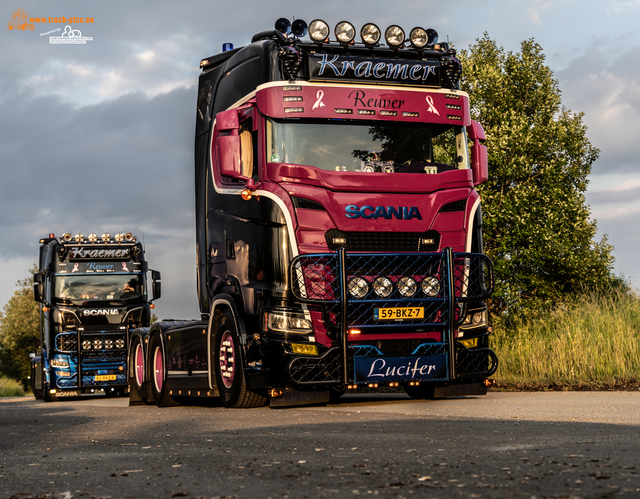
(102, 287)
(392, 147)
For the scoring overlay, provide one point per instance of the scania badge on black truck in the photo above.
(338, 229)
(92, 293)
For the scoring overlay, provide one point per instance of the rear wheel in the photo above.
(229, 368)
(136, 361)
(420, 391)
(159, 389)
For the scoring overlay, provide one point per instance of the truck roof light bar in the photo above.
(65, 237)
(105, 237)
(79, 237)
(93, 237)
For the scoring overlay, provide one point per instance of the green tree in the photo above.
(19, 330)
(537, 226)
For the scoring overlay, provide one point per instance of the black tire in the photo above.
(37, 393)
(230, 368)
(420, 391)
(157, 363)
(137, 383)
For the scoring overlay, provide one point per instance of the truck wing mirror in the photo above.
(156, 286)
(228, 145)
(38, 288)
(479, 158)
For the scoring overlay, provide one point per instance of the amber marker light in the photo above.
(354, 331)
(246, 194)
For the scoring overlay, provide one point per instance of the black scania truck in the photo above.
(92, 293)
(338, 229)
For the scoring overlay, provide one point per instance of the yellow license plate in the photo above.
(105, 377)
(398, 313)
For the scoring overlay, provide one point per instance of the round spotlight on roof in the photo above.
(119, 237)
(105, 237)
(433, 36)
(418, 37)
(318, 30)
(128, 236)
(345, 32)
(93, 237)
(79, 238)
(66, 237)
(283, 25)
(394, 35)
(370, 34)
(299, 28)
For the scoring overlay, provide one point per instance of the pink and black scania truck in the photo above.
(338, 229)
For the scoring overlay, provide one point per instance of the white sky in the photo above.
(99, 137)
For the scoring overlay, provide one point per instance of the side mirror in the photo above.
(156, 286)
(479, 157)
(228, 145)
(38, 288)
(32, 355)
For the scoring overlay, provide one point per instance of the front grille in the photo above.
(384, 242)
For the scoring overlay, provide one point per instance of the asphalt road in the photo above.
(555, 444)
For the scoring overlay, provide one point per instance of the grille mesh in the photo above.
(384, 242)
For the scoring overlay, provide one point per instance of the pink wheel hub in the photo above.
(158, 369)
(227, 359)
(139, 365)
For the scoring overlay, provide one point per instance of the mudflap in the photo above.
(292, 398)
(461, 390)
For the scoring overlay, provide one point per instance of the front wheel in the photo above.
(159, 388)
(229, 368)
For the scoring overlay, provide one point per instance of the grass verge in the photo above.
(10, 388)
(592, 343)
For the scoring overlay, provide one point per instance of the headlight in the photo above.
(288, 322)
(318, 30)
(108, 344)
(358, 287)
(430, 287)
(59, 364)
(407, 287)
(370, 34)
(383, 287)
(476, 319)
(97, 344)
(394, 35)
(120, 343)
(345, 32)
